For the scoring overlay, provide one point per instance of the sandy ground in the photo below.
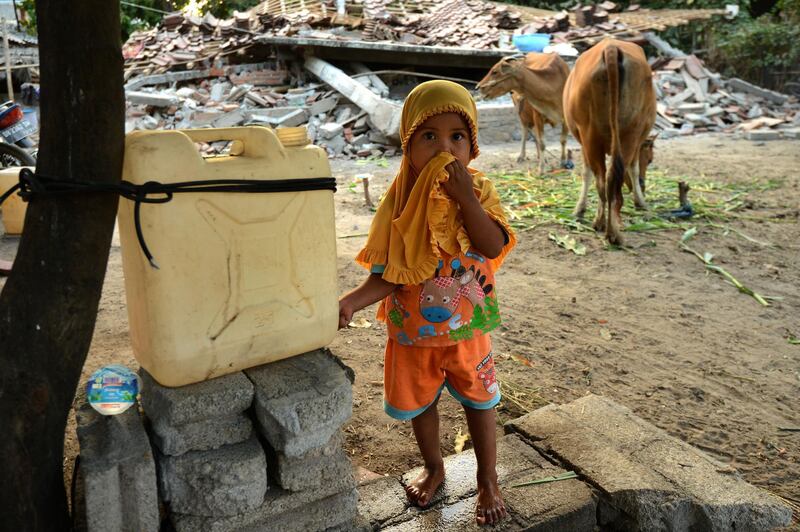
(648, 327)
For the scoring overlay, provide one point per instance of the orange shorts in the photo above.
(413, 377)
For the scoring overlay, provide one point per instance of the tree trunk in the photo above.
(49, 304)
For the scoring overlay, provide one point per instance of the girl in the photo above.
(433, 247)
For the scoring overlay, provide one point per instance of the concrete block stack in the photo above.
(217, 473)
(209, 461)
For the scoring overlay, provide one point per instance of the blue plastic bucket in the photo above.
(531, 42)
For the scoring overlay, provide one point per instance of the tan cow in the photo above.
(610, 108)
(539, 79)
(530, 121)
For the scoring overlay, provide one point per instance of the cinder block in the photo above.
(175, 440)
(117, 470)
(279, 507)
(307, 471)
(301, 402)
(648, 480)
(216, 398)
(792, 133)
(319, 515)
(763, 134)
(222, 482)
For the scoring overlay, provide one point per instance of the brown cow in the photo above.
(530, 121)
(610, 107)
(539, 78)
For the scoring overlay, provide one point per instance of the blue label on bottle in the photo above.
(112, 389)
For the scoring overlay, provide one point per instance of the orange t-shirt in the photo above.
(458, 303)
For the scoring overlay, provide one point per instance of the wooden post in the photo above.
(9, 82)
(48, 305)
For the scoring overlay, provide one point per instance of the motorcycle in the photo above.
(15, 131)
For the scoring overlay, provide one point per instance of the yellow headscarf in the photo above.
(417, 218)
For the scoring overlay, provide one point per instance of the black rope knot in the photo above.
(32, 184)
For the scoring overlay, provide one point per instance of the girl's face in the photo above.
(446, 132)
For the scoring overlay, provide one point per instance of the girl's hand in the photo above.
(346, 311)
(459, 185)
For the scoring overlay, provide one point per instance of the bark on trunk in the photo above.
(49, 303)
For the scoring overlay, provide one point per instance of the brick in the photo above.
(335, 512)
(277, 503)
(323, 106)
(763, 134)
(330, 130)
(216, 398)
(222, 482)
(648, 480)
(792, 133)
(175, 440)
(301, 402)
(117, 471)
(308, 471)
(152, 98)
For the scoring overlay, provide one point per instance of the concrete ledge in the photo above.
(565, 505)
(648, 480)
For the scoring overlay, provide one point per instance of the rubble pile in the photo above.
(462, 23)
(256, 94)
(693, 99)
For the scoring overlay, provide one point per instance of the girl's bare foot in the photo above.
(420, 491)
(490, 508)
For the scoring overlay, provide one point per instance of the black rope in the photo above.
(32, 184)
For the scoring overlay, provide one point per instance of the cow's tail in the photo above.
(614, 67)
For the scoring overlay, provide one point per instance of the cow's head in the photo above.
(501, 78)
(440, 296)
(646, 151)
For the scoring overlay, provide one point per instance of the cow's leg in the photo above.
(538, 124)
(524, 130)
(594, 162)
(638, 194)
(563, 144)
(600, 222)
(580, 208)
(540, 151)
(614, 181)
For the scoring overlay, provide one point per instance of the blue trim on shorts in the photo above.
(405, 415)
(377, 268)
(486, 405)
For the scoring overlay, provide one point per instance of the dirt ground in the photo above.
(648, 328)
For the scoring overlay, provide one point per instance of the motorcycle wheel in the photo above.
(11, 155)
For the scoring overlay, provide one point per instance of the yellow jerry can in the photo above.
(13, 207)
(243, 278)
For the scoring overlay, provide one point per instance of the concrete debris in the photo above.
(693, 100)
(356, 112)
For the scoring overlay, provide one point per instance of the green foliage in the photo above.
(757, 49)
